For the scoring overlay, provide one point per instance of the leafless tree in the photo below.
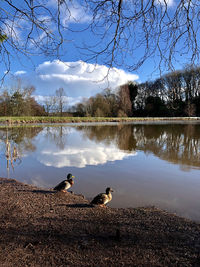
(32, 27)
(49, 104)
(60, 100)
(128, 32)
(124, 100)
(168, 29)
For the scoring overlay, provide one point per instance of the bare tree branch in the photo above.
(125, 33)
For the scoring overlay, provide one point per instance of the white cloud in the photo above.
(76, 14)
(169, 3)
(79, 79)
(19, 72)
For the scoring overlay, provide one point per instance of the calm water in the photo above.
(146, 164)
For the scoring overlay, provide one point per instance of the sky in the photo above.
(78, 78)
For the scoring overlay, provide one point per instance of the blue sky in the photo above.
(79, 78)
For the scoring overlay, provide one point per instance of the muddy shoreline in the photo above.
(43, 228)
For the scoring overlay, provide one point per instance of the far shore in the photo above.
(33, 120)
(41, 227)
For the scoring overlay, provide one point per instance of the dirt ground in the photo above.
(44, 228)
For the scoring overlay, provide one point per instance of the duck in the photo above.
(65, 184)
(103, 198)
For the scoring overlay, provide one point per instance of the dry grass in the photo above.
(35, 120)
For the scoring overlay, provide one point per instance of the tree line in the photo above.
(20, 102)
(174, 94)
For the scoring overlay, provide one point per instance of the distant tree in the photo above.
(61, 100)
(142, 94)
(189, 83)
(4, 103)
(35, 108)
(196, 102)
(100, 107)
(80, 110)
(190, 109)
(99, 112)
(112, 100)
(104, 104)
(121, 113)
(182, 88)
(178, 109)
(154, 106)
(49, 104)
(174, 86)
(125, 103)
(19, 102)
(174, 94)
(133, 91)
(28, 99)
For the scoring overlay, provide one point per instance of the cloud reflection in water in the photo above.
(77, 153)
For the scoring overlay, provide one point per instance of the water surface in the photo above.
(146, 164)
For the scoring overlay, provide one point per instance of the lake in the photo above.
(147, 164)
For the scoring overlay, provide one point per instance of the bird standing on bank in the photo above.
(103, 198)
(66, 184)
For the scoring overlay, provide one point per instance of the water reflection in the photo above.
(84, 145)
(122, 135)
(22, 137)
(176, 143)
(77, 150)
(57, 135)
(14, 144)
(146, 164)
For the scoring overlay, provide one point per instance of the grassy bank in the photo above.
(23, 120)
(44, 228)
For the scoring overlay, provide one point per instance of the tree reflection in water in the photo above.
(176, 143)
(57, 135)
(15, 142)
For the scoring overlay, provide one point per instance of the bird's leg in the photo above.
(64, 191)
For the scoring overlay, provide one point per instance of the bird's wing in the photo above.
(60, 186)
(99, 199)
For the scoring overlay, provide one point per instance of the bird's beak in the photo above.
(73, 176)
